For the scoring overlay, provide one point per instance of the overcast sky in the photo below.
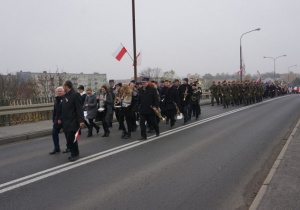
(188, 36)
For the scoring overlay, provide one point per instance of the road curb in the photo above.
(263, 189)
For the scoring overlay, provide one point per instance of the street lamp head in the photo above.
(284, 55)
(265, 57)
(258, 29)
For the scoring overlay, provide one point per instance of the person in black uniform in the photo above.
(195, 102)
(170, 102)
(71, 117)
(147, 105)
(185, 92)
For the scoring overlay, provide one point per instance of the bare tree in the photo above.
(152, 73)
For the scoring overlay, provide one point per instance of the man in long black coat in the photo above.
(185, 92)
(147, 103)
(170, 103)
(71, 117)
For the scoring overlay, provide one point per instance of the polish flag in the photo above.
(138, 59)
(240, 71)
(76, 136)
(119, 53)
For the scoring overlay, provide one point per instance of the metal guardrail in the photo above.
(20, 114)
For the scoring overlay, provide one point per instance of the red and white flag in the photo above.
(138, 59)
(120, 52)
(240, 71)
(76, 136)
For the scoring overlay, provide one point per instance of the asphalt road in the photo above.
(217, 162)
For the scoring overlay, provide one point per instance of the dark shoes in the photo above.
(89, 135)
(106, 134)
(98, 129)
(142, 138)
(54, 152)
(73, 158)
(67, 151)
(157, 133)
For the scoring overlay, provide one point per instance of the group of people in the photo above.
(145, 104)
(238, 93)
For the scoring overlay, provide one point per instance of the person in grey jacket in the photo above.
(90, 105)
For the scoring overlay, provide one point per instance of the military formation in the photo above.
(238, 93)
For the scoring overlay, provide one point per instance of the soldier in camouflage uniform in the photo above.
(225, 94)
(246, 93)
(220, 92)
(240, 92)
(214, 93)
(234, 92)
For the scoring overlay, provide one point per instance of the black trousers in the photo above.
(150, 118)
(71, 144)
(171, 113)
(128, 122)
(185, 112)
(92, 125)
(195, 109)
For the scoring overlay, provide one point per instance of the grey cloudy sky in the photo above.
(190, 36)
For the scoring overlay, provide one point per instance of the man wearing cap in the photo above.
(225, 94)
(220, 92)
(214, 93)
(171, 102)
(234, 93)
(147, 105)
(185, 92)
(176, 84)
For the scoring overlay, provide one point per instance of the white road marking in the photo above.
(83, 161)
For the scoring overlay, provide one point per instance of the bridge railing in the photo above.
(30, 101)
(33, 110)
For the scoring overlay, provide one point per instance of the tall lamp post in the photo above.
(274, 59)
(134, 40)
(241, 65)
(289, 73)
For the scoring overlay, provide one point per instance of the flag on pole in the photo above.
(120, 52)
(138, 59)
(76, 136)
(240, 71)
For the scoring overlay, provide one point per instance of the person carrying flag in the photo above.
(71, 117)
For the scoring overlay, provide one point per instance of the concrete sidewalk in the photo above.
(10, 134)
(281, 189)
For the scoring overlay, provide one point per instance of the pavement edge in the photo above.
(263, 189)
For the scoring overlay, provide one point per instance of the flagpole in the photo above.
(134, 40)
(128, 53)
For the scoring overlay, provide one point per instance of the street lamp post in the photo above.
(274, 59)
(241, 65)
(289, 73)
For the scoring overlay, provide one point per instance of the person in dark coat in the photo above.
(112, 90)
(148, 104)
(195, 102)
(185, 92)
(106, 103)
(90, 106)
(57, 127)
(71, 117)
(171, 102)
(83, 96)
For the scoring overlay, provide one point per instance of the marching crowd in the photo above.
(141, 103)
